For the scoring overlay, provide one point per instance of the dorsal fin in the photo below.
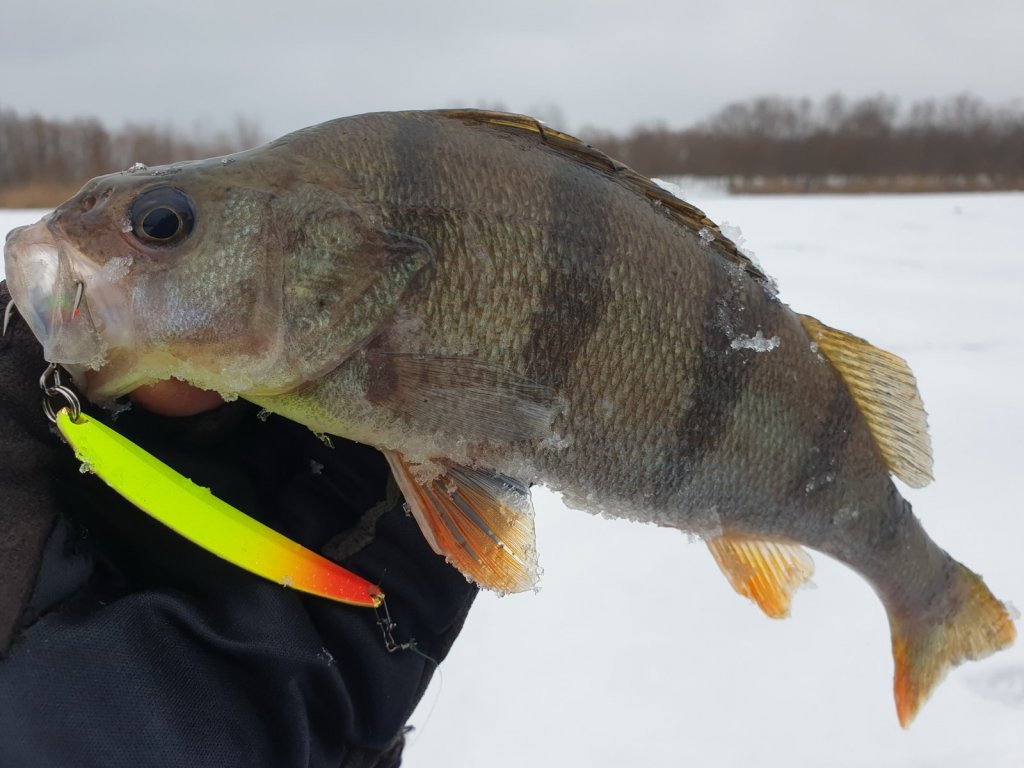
(688, 215)
(886, 393)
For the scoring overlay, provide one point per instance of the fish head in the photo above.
(234, 274)
(144, 275)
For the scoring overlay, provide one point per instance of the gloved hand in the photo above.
(133, 647)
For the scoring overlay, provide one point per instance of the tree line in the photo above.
(764, 144)
(961, 137)
(43, 161)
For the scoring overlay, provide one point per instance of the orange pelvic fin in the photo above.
(480, 521)
(975, 625)
(768, 572)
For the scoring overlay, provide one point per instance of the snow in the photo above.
(637, 652)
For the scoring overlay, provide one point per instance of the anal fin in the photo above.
(768, 572)
(480, 521)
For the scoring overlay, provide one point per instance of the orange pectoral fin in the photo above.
(768, 572)
(480, 521)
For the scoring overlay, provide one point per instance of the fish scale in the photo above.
(492, 304)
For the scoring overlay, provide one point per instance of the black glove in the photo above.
(136, 648)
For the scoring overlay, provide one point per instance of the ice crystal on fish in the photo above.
(671, 187)
(116, 268)
(758, 342)
(818, 482)
(846, 515)
(735, 234)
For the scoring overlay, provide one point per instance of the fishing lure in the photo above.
(193, 511)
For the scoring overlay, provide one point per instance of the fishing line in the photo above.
(387, 626)
(421, 729)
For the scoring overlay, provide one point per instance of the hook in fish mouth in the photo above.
(79, 293)
(48, 278)
(12, 306)
(8, 315)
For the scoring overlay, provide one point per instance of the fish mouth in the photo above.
(76, 308)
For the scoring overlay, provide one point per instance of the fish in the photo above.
(494, 304)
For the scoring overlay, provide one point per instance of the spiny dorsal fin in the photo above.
(886, 393)
(768, 572)
(480, 521)
(688, 215)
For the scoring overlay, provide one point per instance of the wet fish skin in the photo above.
(481, 290)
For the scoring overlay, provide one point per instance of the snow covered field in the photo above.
(636, 651)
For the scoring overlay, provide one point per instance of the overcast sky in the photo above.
(604, 63)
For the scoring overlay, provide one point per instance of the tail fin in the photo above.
(974, 625)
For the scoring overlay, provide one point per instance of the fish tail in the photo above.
(972, 625)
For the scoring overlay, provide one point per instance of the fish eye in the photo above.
(162, 217)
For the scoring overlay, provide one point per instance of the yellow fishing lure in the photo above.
(202, 518)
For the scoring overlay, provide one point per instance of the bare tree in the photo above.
(960, 141)
(42, 161)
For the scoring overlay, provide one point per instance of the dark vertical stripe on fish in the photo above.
(829, 443)
(415, 172)
(577, 293)
(720, 376)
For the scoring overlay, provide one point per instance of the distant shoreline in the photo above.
(854, 185)
(50, 195)
(38, 194)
